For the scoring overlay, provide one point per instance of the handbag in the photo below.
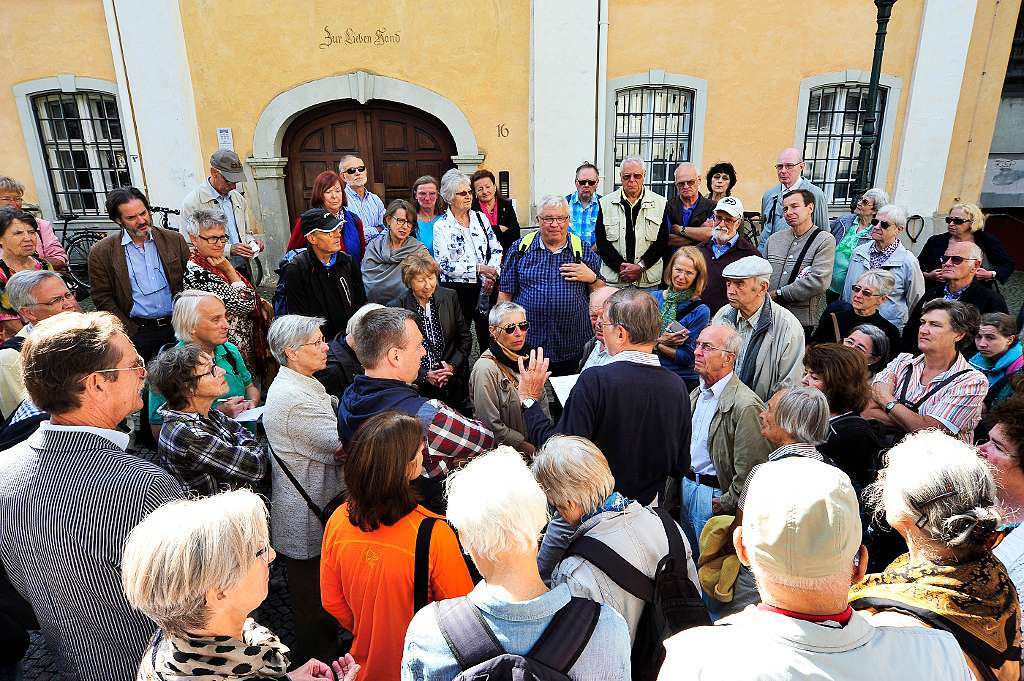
(323, 514)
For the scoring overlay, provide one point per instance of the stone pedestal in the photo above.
(271, 209)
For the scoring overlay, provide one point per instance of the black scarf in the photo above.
(501, 356)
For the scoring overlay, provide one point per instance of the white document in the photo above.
(253, 414)
(563, 385)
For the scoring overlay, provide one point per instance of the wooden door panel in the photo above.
(345, 137)
(426, 141)
(393, 137)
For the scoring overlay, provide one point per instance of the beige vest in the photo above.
(648, 225)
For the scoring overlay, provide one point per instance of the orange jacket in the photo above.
(366, 582)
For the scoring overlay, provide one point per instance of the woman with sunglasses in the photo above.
(886, 251)
(966, 222)
(840, 318)
(494, 382)
(382, 275)
(444, 369)
(852, 230)
(499, 211)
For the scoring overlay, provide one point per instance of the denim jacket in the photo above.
(517, 627)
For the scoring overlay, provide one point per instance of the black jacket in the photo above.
(978, 294)
(457, 339)
(342, 367)
(853, 445)
(702, 210)
(998, 259)
(507, 219)
(848, 320)
(333, 293)
(16, 619)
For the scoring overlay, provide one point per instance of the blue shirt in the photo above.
(151, 292)
(721, 249)
(224, 203)
(583, 218)
(425, 232)
(517, 627)
(558, 310)
(369, 208)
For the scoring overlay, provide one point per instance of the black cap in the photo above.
(317, 218)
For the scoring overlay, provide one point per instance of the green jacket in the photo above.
(734, 439)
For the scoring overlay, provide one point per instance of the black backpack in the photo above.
(481, 656)
(672, 602)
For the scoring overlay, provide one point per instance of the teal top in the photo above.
(844, 250)
(425, 232)
(228, 358)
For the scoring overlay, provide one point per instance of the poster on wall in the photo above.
(1004, 182)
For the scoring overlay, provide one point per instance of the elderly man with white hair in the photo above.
(887, 252)
(200, 318)
(689, 215)
(499, 510)
(305, 472)
(595, 352)
(772, 338)
(551, 273)
(789, 168)
(801, 537)
(630, 234)
(35, 295)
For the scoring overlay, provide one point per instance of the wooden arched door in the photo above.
(398, 144)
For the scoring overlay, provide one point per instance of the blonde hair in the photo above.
(184, 549)
(571, 468)
(496, 505)
(693, 254)
(974, 213)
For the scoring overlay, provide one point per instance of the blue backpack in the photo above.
(280, 301)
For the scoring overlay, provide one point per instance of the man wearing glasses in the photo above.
(70, 494)
(630, 235)
(688, 215)
(361, 200)
(551, 273)
(725, 246)
(219, 191)
(789, 168)
(583, 203)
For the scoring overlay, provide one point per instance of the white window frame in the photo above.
(68, 84)
(884, 128)
(654, 78)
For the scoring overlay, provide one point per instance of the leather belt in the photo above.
(701, 479)
(151, 322)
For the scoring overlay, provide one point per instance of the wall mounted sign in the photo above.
(350, 36)
(225, 140)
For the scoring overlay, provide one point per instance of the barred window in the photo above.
(835, 122)
(83, 148)
(656, 124)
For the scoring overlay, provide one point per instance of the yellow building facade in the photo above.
(530, 87)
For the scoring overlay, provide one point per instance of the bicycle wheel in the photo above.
(78, 258)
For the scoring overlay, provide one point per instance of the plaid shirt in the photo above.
(558, 310)
(210, 453)
(957, 406)
(582, 219)
(452, 439)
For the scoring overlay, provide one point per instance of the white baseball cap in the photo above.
(731, 205)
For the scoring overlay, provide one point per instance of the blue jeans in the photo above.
(696, 511)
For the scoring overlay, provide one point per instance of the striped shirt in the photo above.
(69, 496)
(957, 406)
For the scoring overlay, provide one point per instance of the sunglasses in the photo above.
(355, 169)
(881, 223)
(510, 328)
(464, 194)
(857, 288)
(632, 176)
(956, 221)
(587, 183)
(955, 259)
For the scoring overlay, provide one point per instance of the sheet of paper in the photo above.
(250, 414)
(562, 386)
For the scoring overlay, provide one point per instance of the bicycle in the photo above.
(256, 265)
(77, 248)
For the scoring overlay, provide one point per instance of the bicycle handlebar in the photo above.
(161, 209)
(67, 217)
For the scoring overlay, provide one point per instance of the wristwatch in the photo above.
(528, 402)
(890, 405)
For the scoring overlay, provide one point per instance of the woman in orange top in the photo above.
(366, 567)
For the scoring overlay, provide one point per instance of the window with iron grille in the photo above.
(83, 149)
(835, 122)
(656, 124)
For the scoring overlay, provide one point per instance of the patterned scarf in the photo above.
(878, 258)
(615, 502)
(975, 601)
(671, 302)
(258, 654)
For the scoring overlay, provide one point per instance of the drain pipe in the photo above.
(600, 141)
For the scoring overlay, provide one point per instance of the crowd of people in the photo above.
(482, 451)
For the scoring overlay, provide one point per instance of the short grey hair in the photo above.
(943, 487)
(347, 157)
(185, 314)
(963, 317)
(9, 184)
(733, 341)
(879, 340)
(803, 413)
(571, 468)
(883, 280)
(551, 200)
(895, 214)
(379, 331)
(187, 547)
(203, 219)
(450, 183)
(503, 308)
(974, 251)
(350, 325)
(633, 158)
(290, 331)
(878, 197)
(636, 312)
(21, 284)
